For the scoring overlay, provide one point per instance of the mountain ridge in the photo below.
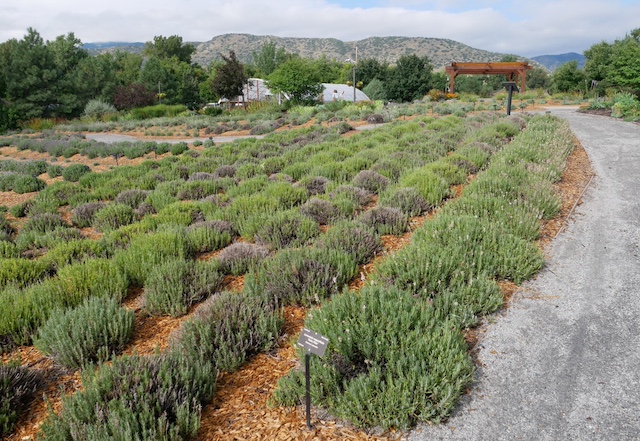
(386, 49)
(440, 51)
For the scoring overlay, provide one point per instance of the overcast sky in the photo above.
(522, 27)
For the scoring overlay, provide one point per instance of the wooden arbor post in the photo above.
(511, 70)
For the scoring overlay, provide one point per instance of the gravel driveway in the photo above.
(563, 362)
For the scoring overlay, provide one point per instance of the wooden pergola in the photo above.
(511, 70)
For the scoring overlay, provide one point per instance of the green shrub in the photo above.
(209, 236)
(390, 362)
(97, 277)
(33, 240)
(178, 148)
(54, 170)
(304, 276)
(97, 109)
(77, 250)
(358, 196)
(8, 250)
(21, 209)
(450, 248)
(22, 272)
(105, 329)
(354, 238)
(179, 213)
(517, 218)
(320, 210)
(371, 181)
(385, 220)
(147, 398)
(240, 257)
(287, 195)
(113, 216)
(83, 215)
(433, 188)
(175, 285)
(315, 185)
(148, 250)
(408, 200)
(18, 386)
(228, 328)
(74, 172)
(132, 198)
(464, 301)
(23, 311)
(43, 223)
(27, 184)
(198, 189)
(286, 228)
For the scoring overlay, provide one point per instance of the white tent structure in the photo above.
(342, 92)
(256, 90)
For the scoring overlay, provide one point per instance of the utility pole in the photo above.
(354, 76)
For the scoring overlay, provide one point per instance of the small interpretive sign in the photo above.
(313, 342)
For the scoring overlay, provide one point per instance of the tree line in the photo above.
(58, 78)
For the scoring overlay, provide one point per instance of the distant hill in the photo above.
(440, 51)
(389, 49)
(552, 62)
(113, 46)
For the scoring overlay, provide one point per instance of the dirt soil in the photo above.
(239, 409)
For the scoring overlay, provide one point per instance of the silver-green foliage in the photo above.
(142, 398)
(18, 385)
(174, 286)
(391, 361)
(228, 328)
(90, 333)
(148, 250)
(23, 311)
(304, 276)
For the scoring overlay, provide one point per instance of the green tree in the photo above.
(538, 78)
(127, 67)
(297, 78)
(169, 47)
(95, 78)
(410, 79)
(568, 78)
(154, 76)
(67, 54)
(375, 90)
(230, 78)
(30, 76)
(269, 58)
(369, 69)
(598, 59)
(624, 70)
(328, 71)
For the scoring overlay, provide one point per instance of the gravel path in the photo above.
(563, 362)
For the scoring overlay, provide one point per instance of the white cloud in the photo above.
(522, 27)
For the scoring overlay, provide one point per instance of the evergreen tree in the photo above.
(568, 78)
(410, 79)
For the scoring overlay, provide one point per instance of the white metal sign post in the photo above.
(314, 343)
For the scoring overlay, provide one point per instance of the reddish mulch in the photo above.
(239, 409)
